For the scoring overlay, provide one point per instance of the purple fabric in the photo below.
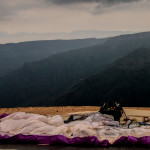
(3, 115)
(85, 141)
(133, 141)
(62, 140)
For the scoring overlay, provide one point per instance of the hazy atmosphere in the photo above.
(22, 20)
(75, 73)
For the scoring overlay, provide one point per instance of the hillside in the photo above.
(14, 55)
(36, 83)
(126, 80)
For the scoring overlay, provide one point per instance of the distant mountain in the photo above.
(126, 80)
(36, 83)
(14, 55)
(79, 34)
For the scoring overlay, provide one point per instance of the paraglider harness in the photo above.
(112, 108)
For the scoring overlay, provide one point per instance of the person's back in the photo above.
(112, 108)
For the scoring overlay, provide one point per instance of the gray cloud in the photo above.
(69, 15)
(101, 6)
(104, 2)
(4, 11)
(9, 8)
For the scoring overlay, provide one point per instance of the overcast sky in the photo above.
(42, 16)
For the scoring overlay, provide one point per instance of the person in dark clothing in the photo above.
(112, 108)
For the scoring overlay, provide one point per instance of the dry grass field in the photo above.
(132, 112)
(50, 111)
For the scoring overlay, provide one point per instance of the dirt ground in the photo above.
(132, 112)
(50, 111)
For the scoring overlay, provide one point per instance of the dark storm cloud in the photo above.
(102, 6)
(9, 8)
(104, 2)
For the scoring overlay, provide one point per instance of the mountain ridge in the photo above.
(14, 55)
(126, 80)
(36, 83)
